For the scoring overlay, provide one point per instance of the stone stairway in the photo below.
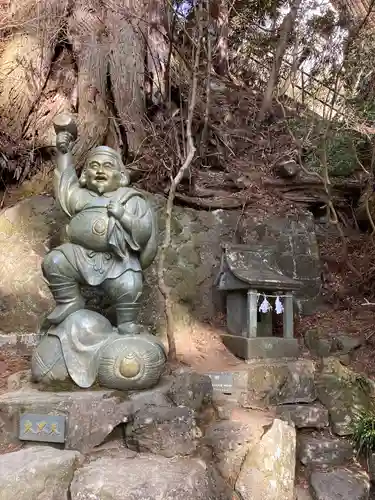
(266, 436)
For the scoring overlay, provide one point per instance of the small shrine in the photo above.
(255, 290)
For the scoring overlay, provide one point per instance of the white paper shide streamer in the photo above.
(279, 308)
(265, 306)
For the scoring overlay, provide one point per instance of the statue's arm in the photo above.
(65, 163)
(66, 183)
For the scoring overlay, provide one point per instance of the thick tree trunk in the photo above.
(286, 28)
(219, 11)
(158, 49)
(83, 56)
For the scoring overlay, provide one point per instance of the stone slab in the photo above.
(323, 450)
(90, 415)
(277, 382)
(261, 347)
(265, 383)
(43, 428)
(304, 416)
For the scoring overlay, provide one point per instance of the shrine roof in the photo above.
(254, 265)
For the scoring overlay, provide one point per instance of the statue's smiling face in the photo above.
(102, 174)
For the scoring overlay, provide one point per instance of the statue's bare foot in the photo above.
(62, 311)
(129, 328)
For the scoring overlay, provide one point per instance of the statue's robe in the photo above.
(100, 247)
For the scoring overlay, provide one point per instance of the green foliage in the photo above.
(363, 107)
(363, 428)
(343, 148)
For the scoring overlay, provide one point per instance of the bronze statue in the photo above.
(112, 238)
(112, 232)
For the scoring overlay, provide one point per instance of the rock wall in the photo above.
(167, 443)
(29, 229)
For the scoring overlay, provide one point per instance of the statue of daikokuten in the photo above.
(112, 234)
(111, 239)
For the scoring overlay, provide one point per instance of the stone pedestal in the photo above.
(261, 347)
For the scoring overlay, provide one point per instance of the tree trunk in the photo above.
(286, 29)
(220, 12)
(83, 56)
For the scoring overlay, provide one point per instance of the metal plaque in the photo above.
(222, 381)
(45, 428)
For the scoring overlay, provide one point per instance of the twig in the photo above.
(165, 290)
(367, 303)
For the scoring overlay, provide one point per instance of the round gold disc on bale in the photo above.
(129, 367)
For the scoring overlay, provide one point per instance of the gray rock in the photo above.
(344, 393)
(304, 416)
(230, 441)
(323, 450)
(302, 493)
(39, 473)
(339, 484)
(145, 477)
(92, 415)
(157, 396)
(25, 232)
(224, 405)
(269, 468)
(318, 344)
(191, 389)
(164, 431)
(347, 343)
(280, 382)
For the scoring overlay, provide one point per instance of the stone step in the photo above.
(120, 477)
(90, 416)
(323, 450)
(263, 383)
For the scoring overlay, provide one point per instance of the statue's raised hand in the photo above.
(64, 142)
(116, 209)
(66, 132)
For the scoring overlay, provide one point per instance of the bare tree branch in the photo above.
(175, 181)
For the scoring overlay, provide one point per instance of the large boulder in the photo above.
(41, 473)
(32, 227)
(344, 393)
(280, 382)
(27, 231)
(268, 470)
(145, 477)
(230, 440)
